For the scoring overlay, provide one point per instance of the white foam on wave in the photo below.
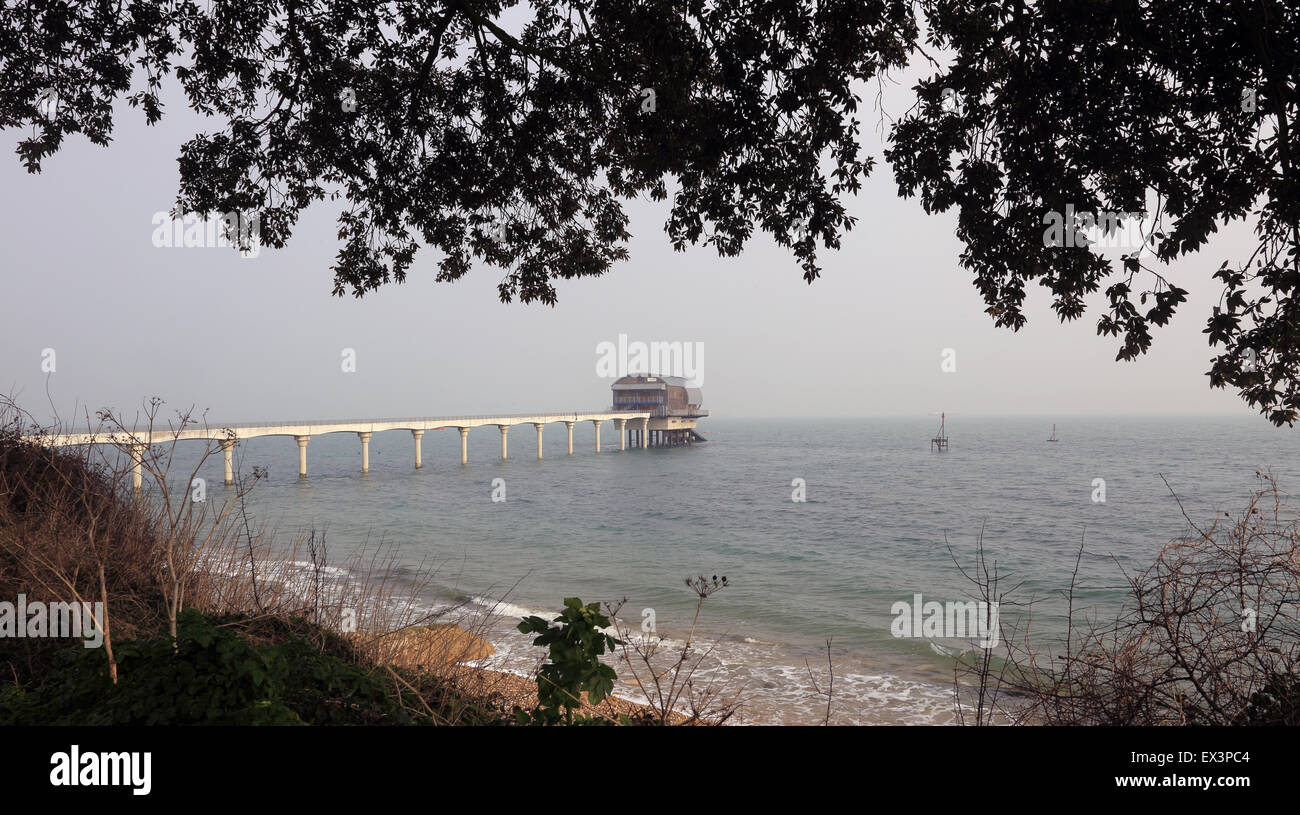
(773, 693)
(337, 572)
(508, 609)
(784, 694)
(514, 612)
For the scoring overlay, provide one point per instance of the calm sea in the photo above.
(880, 514)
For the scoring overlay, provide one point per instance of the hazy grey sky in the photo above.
(252, 339)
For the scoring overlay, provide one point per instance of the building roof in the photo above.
(652, 379)
(652, 382)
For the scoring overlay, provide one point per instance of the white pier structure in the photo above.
(136, 441)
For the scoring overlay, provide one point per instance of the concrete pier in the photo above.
(302, 454)
(365, 451)
(227, 452)
(137, 441)
(417, 435)
(137, 455)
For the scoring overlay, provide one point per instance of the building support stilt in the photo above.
(302, 454)
(137, 457)
(365, 451)
(227, 452)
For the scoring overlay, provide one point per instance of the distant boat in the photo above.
(1053, 438)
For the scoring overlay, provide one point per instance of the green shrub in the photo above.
(576, 645)
(212, 675)
(1277, 703)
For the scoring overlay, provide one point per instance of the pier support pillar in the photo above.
(645, 433)
(464, 445)
(137, 456)
(227, 452)
(365, 451)
(596, 422)
(302, 454)
(418, 435)
(570, 426)
(505, 428)
(539, 427)
(621, 424)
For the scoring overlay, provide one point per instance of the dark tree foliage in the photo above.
(511, 132)
(1097, 105)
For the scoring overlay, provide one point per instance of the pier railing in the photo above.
(662, 412)
(138, 440)
(162, 427)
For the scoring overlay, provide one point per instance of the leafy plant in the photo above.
(515, 148)
(212, 675)
(1277, 703)
(1120, 125)
(576, 645)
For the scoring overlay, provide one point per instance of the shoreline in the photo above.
(512, 689)
(450, 651)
